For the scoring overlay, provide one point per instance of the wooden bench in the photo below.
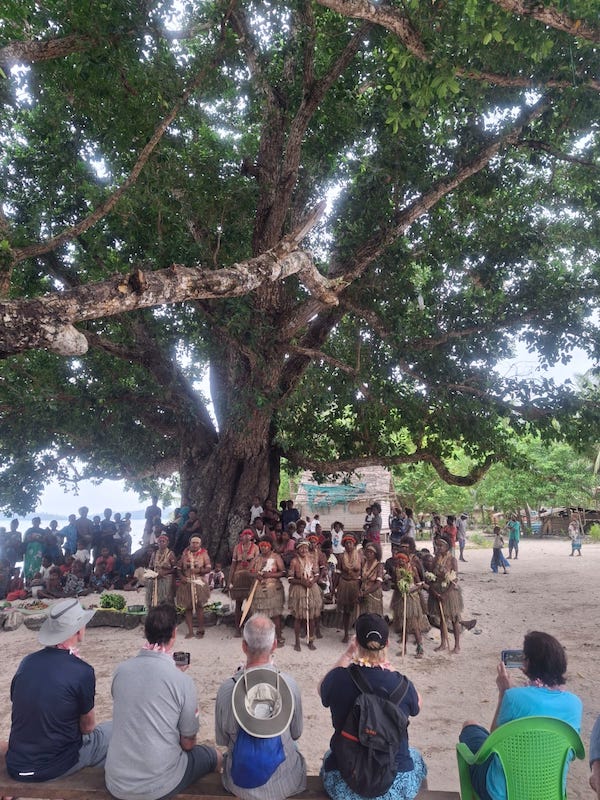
(88, 784)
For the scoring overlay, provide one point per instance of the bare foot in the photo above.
(189, 636)
(297, 647)
(319, 635)
(311, 646)
(442, 646)
(346, 639)
(200, 634)
(456, 649)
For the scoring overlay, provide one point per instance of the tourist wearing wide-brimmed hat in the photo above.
(263, 703)
(53, 729)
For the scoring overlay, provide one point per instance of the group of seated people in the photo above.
(258, 715)
(83, 556)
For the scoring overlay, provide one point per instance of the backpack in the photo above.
(254, 760)
(262, 704)
(365, 748)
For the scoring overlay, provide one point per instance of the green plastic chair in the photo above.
(533, 752)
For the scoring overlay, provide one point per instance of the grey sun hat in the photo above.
(64, 619)
(262, 702)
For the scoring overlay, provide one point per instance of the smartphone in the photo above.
(512, 659)
(181, 659)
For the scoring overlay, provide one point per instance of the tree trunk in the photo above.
(222, 485)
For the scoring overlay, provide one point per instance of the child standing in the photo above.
(497, 557)
(576, 537)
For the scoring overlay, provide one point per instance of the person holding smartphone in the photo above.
(156, 720)
(544, 665)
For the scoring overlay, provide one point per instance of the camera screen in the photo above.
(512, 658)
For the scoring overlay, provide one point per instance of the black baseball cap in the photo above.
(372, 631)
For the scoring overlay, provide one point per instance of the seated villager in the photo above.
(53, 730)
(367, 654)
(242, 721)
(154, 752)
(544, 665)
(53, 589)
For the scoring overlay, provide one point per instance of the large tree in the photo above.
(346, 210)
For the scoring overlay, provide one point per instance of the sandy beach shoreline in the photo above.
(545, 589)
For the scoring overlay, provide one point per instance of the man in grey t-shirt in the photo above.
(154, 754)
(289, 777)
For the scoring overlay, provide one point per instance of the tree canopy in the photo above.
(347, 211)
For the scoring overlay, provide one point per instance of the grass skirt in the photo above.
(242, 583)
(405, 787)
(414, 612)
(269, 598)
(347, 596)
(297, 601)
(164, 591)
(184, 594)
(372, 603)
(452, 603)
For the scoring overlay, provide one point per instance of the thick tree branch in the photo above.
(552, 17)
(420, 456)
(33, 51)
(391, 18)
(48, 321)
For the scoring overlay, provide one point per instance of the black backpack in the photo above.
(365, 749)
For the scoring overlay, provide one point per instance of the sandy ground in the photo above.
(545, 589)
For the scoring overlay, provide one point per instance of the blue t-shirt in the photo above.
(338, 692)
(50, 691)
(531, 701)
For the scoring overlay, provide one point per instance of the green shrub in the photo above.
(594, 532)
(478, 540)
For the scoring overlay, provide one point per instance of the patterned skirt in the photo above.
(242, 583)
(405, 787)
(184, 594)
(347, 596)
(297, 601)
(269, 598)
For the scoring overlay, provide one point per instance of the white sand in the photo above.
(545, 589)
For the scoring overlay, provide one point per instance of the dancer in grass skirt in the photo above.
(269, 597)
(407, 587)
(242, 572)
(193, 591)
(347, 575)
(304, 601)
(371, 594)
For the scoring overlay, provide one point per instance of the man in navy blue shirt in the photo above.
(53, 729)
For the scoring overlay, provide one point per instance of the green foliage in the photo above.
(542, 474)
(594, 532)
(407, 364)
